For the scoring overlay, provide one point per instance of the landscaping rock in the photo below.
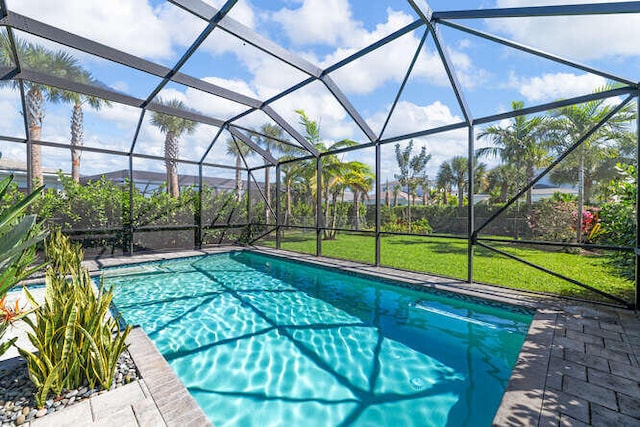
(17, 403)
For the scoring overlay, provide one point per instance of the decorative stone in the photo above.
(20, 420)
(71, 394)
(41, 413)
(26, 410)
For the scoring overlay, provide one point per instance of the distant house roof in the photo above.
(13, 165)
(157, 178)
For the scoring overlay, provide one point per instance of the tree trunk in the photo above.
(529, 173)
(170, 157)
(504, 190)
(356, 207)
(580, 196)
(76, 140)
(267, 192)
(287, 209)
(35, 116)
(238, 178)
(460, 185)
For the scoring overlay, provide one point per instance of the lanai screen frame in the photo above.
(428, 19)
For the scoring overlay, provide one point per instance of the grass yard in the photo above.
(448, 257)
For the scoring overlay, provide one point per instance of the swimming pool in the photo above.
(262, 341)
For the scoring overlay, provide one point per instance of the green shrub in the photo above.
(420, 226)
(553, 220)
(75, 339)
(618, 219)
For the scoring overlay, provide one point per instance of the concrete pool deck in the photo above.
(579, 365)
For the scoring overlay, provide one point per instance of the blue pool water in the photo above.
(260, 341)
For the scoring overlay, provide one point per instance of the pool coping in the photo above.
(574, 353)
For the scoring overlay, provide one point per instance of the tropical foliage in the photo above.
(57, 63)
(173, 128)
(19, 234)
(76, 341)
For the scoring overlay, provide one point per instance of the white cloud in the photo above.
(131, 26)
(319, 22)
(11, 123)
(409, 118)
(549, 87)
(319, 105)
(577, 37)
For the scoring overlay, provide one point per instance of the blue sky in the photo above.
(322, 32)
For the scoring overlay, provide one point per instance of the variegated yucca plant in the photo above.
(76, 339)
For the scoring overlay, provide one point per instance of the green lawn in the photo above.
(448, 257)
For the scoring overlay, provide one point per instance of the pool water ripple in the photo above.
(260, 341)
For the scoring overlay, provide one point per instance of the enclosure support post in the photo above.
(248, 193)
(378, 193)
(198, 219)
(319, 217)
(278, 208)
(470, 207)
(637, 249)
(129, 231)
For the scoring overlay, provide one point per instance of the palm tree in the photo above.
(239, 150)
(267, 136)
(523, 143)
(396, 193)
(501, 181)
(445, 180)
(359, 179)
(36, 57)
(291, 173)
(459, 169)
(333, 170)
(173, 127)
(597, 154)
(77, 118)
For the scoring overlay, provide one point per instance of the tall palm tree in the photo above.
(173, 127)
(333, 169)
(359, 179)
(597, 154)
(459, 168)
(523, 143)
(267, 136)
(238, 149)
(77, 120)
(36, 57)
(291, 173)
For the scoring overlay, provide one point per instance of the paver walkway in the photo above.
(579, 367)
